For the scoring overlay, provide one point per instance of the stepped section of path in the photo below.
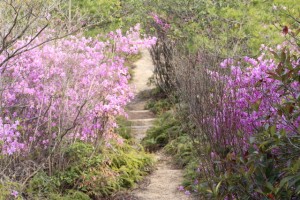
(162, 184)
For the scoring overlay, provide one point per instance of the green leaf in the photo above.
(298, 190)
(272, 130)
(218, 187)
(269, 186)
(285, 180)
(275, 55)
(283, 54)
(256, 105)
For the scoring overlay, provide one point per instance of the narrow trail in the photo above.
(164, 181)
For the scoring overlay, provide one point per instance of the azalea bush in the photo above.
(67, 90)
(253, 150)
(247, 116)
(266, 90)
(267, 107)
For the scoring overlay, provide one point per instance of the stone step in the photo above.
(140, 127)
(139, 131)
(142, 122)
(140, 114)
(137, 105)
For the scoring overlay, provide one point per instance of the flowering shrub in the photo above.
(261, 97)
(71, 88)
(258, 93)
(160, 22)
(262, 85)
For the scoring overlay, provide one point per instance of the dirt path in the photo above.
(164, 181)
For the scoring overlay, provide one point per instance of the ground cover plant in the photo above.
(158, 102)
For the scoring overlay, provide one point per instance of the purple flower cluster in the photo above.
(15, 193)
(71, 88)
(165, 26)
(254, 92)
(186, 192)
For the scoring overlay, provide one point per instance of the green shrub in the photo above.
(104, 172)
(182, 150)
(159, 106)
(168, 132)
(72, 195)
(41, 185)
(158, 102)
(124, 128)
(165, 129)
(91, 173)
(130, 166)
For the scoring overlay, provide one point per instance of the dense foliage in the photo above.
(104, 16)
(88, 174)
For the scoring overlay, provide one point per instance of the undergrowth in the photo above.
(158, 102)
(165, 129)
(93, 173)
(124, 128)
(90, 173)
